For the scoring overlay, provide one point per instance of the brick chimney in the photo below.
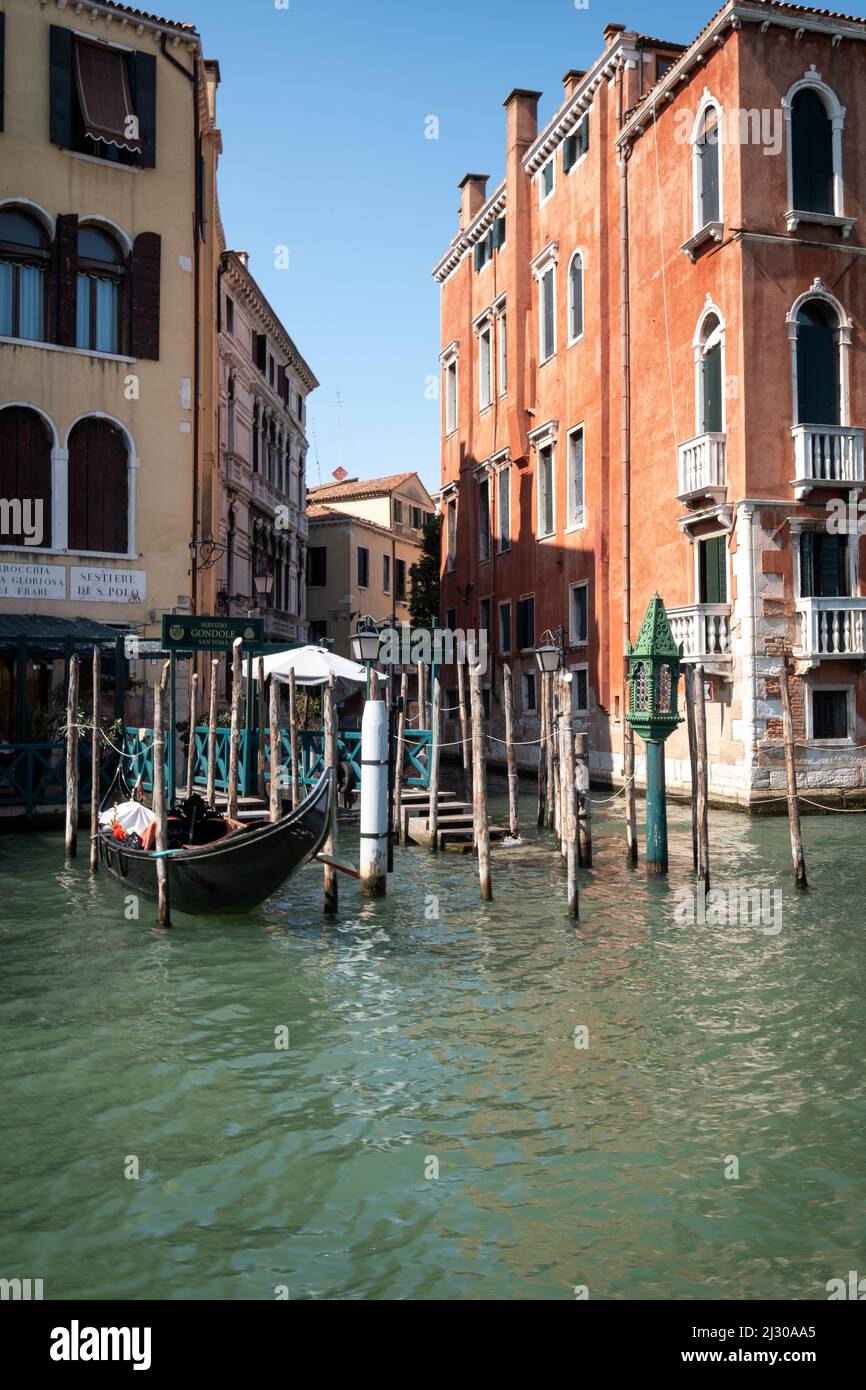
(571, 80)
(521, 119)
(612, 32)
(473, 194)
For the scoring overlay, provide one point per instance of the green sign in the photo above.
(181, 633)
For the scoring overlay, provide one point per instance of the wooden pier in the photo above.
(455, 832)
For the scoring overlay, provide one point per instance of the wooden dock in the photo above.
(455, 821)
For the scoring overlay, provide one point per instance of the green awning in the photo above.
(50, 633)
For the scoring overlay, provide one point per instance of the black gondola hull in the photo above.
(232, 875)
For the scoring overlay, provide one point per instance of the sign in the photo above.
(708, 692)
(32, 581)
(181, 632)
(107, 586)
(135, 648)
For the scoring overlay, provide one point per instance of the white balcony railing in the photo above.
(303, 525)
(703, 468)
(831, 627)
(826, 456)
(703, 630)
(264, 492)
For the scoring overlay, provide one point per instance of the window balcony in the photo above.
(703, 630)
(831, 627)
(264, 492)
(303, 525)
(703, 471)
(280, 627)
(827, 456)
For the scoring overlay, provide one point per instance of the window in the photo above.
(25, 474)
(818, 365)
(451, 533)
(98, 488)
(713, 570)
(503, 492)
(485, 700)
(505, 627)
(530, 698)
(711, 395)
(707, 169)
(545, 491)
(230, 315)
(363, 567)
(24, 257)
(484, 615)
(576, 144)
(575, 298)
(502, 365)
(451, 619)
(400, 580)
(451, 396)
(580, 690)
(230, 416)
(546, 182)
(663, 65)
(525, 623)
(574, 501)
(99, 285)
(398, 512)
(823, 565)
(811, 152)
(416, 518)
(578, 614)
(317, 567)
(484, 519)
(830, 714)
(547, 313)
(102, 100)
(485, 367)
(318, 631)
(386, 574)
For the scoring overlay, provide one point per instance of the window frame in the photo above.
(365, 551)
(523, 599)
(579, 523)
(503, 540)
(577, 255)
(503, 607)
(850, 704)
(836, 113)
(574, 639)
(699, 225)
(542, 196)
(713, 536)
(86, 267)
(38, 258)
(579, 711)
(545, 446)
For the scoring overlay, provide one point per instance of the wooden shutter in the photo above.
(60, 85)
(583, 134)
(713, 570)
(818, 394)
(143, 296)
(569, 152)
(811, 153)
(261, 351)
(711, 373)
(143, 79)
(98, 488)
(25, 467)
(830, 569)
(2, 61)
(281, 383)
(62, 284)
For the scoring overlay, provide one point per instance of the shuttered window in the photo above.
(505, 627)
(708, 168)
(363, 567)
(545, 490)
(317, 566)
(823, 565)
(818, 375)
(547, 297)
(102, 101)
(811, 152)
(98, 488)
(713, 570)
(503, 490)
(25, 476)
(526, 622)
(575, 297)
(484, 519)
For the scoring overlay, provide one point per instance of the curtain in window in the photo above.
(7, 281)
(107, 315)
(30, 305)
(82, 312)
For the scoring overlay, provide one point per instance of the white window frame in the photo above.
(542, 196)
(699, 347)
(526, 711)
(818, 290)
(485, 367)
(836, 112)
(505, 603)
(484, 481)
(579, 523)
(449, 360)
(540, 438)
(499, 309)
(708, 102)
(545, 260)
(503, 488)
(577, 254)
(573, 639)
(696, 546)
(579, 711)
(386, 570)
(849, 690)
(449, 501)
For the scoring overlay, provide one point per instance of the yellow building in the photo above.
(108, 244)
(365, 536)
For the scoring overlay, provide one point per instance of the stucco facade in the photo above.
(651, 407)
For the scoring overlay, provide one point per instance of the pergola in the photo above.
(39, 637)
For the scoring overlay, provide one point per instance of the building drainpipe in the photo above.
(749, 628)
(628, 734)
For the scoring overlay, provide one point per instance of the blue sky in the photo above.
(322, 109)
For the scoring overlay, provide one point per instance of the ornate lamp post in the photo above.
(653, 687)
(365, 645)
(550, 654)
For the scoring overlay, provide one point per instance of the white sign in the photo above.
(136, 648)
(708, 692)
(107, 586)
(32, 581)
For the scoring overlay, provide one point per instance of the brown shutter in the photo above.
(144, 277)
(25, 468)
(64, 269)
(281, 383)
(98, 493)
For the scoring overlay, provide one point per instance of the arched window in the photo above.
(25, 476)
(575, 298)
(708, 185)
(24, 255)
(98, 488)
(811, 152)
(99, 295)
(230, 416)
(710, 405)
(819, 396)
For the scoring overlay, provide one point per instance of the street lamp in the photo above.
(264, 583)
(365, 645)
(653, 698)
(549, 654)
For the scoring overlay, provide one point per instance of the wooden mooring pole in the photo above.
(562, 695)
(95, 761)
(702, 779)
(297, 794)
(193, 719)
(263, 708)
(542, 754)
(584, 804)
(398, 827)
(464, 726)
(274, 748)
(234, 731)
(630, 792)
(210, 791)
(791, 771)
(689, 679)
(329, 720)
(510, 759)
(551, 727)
(479, 785)
(435, 748)
(72, 759)
(159, 799)
(568, 808)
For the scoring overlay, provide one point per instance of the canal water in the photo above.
(476, 1100)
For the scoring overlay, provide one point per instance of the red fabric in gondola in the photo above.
(102, 83)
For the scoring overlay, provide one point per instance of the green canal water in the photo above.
(417, 1041)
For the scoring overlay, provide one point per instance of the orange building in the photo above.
(653, 379)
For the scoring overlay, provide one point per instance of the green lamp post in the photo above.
(653, 685)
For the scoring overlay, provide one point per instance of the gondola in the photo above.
(235, 873)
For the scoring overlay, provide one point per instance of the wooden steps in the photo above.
(455, 832)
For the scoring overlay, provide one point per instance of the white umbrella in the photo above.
(312, 666)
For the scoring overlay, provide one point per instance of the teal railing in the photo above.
(34, 774)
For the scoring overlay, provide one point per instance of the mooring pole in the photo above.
(234, 731)
(297, 792)
(542, 754)
(791, 770)
(464, 725)
(584, 803)
(274, 748)
(172, 730)
(550, 752)
(479, 785)
(159, 799)
(703, 778)
(568, 808)
(262, 704)
(374, 794)
(210, 792)
(689, 680)
(630, 793)
(510, 760)
(435, 740)
(398, 765)
(72, 759)
(94, 763)
(329, 720)
(193, 718)
(563, 705)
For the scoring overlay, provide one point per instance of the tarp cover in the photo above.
(102, 83)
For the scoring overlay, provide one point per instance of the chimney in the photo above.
(473, 193)
(571, 81)
(521, 120)
(611, 32)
